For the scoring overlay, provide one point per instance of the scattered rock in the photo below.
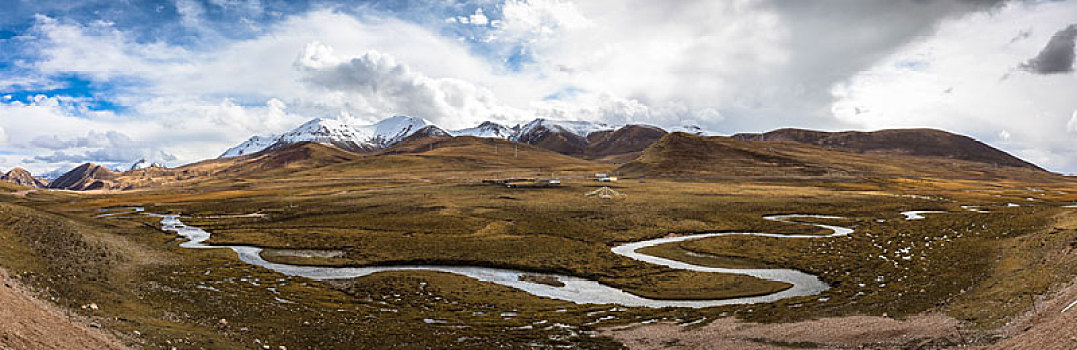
(222, 322)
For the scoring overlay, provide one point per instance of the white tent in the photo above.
(605, 193)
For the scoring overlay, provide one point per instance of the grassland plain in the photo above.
(977, 267)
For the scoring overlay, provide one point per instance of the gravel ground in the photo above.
(1047, 327)
(843, 332)
(29, 323)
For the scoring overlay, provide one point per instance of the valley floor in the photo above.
(952, 278)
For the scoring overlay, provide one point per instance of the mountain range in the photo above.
(636, 150)
(566, 137)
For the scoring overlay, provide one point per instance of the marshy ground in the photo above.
(977, 271)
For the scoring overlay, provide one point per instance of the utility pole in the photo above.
(516, 151)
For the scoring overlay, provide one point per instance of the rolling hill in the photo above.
(684, 154)
(915, 142)
(680, 154)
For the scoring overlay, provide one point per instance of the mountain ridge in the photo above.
(563, 136)
(679, 154)
(917, 142)
(88, 176)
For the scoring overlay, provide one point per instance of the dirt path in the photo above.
(843, 332)
(29, 323)
(1052, 325)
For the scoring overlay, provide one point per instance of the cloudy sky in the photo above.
(177, 81)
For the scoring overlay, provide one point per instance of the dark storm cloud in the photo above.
(1057, 56)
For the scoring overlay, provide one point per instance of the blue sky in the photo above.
(178, 81)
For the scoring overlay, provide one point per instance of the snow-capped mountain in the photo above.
(567, 137)
(575, 127)
(487, 129)
(338, 133)
(564, 136)
(392, 130)
(142, 164)
(252, 145)
(691, 129)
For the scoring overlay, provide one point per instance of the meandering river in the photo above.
(576, 289)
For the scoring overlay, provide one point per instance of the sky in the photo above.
(177, 81)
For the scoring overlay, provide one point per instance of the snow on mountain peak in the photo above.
(486, 129)
(336, 132)
(692, 129)
(394, 129)
(142, 164)
(323, 130)
(252, 145)
(577, 127)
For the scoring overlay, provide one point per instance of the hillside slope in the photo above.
(684, 154)
(628, 139)
(917, 142)
(88, 176)
(680, 154)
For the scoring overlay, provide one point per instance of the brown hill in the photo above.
(917, 142)
(464, 157)
(482, 152)
(559, 141)
(293, 156)
(625, 140)
(88, 176)
(679, 154)
(684, 154)
(276, 162)
(628, 139)
(22, 177)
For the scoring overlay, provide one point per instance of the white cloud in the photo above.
(479, 18)
(190, 12)
(528, 20)
(101, 147)
(3, 137)
(1071, 126)
(963, 79)
(174, 132)
(729, 65)
(375, 82)
(251, 7)
(188, 102)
